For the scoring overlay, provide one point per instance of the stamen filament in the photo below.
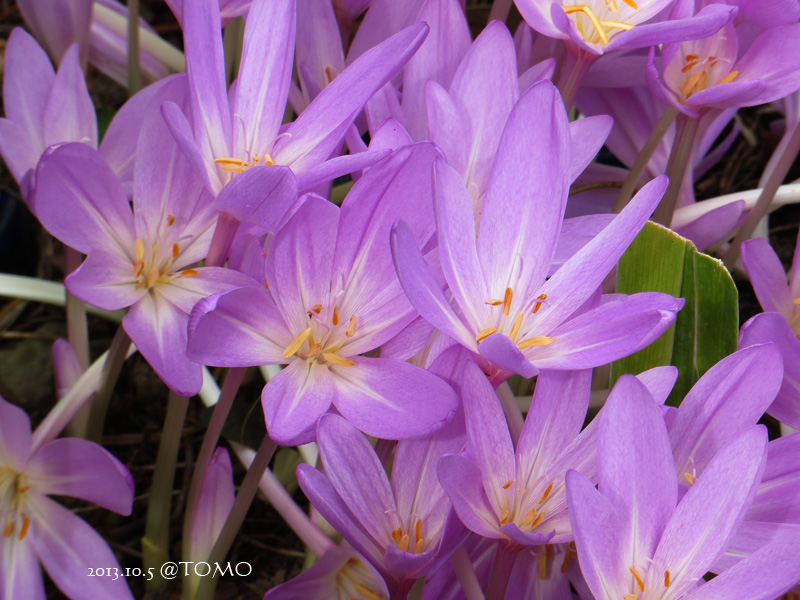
(297, 343)
(546, 493)
(542, 566)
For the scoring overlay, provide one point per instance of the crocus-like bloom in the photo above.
(333, 296)
(37, 529)
(231, 133)
(634, 543)
(42, 107)
(519, 496)
(600, 26)
(781, 322)
(141, 258)
(711, 73)
(509, 314)
(403, 528)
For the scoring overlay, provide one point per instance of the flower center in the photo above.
(403, 540)
(320, 342)
(154, 265)
(235, 165)
(528, 511)
(700, 74)
(500, 323)
(355, 581)
(594, 27)
(13, 489)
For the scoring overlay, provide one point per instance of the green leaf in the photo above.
(706, 329)
(104, 116)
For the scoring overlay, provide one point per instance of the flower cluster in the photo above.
(402, 225)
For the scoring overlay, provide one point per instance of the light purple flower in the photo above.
(37, 529)
(333, 296)
(634, 543)
(506, 311)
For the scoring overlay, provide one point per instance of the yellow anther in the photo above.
(9, 529)
(504, 517)
(574, 8)
(796, 301)
(418, 529)
(530, 515)
(515, 329)
(729, 77)
(314, 350)
(189, 272)
(612, 5)
(397, 536)
(328, 73)
(351, 327)
(630, 597)
(334, 358)
(405, 543)
(541, 340)
(695, 83)
(538, 519)
(567, 559)
(268, 161)
(233, 168)
(689, 478)
(139, 246)
(138, 268)
(24, 530)
(297, 343)
(632, 4)
(494, 302)
(152, 277)
(666, 578)
(418, 547)
(484, 333)
(638, 579)
(228, 161)
(617, 25)
(176, 249)
(507, 301)
(546, 493)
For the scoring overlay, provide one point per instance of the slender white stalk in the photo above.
(48, 292)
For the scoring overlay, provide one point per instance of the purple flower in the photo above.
(142, 258)
(404, 528)
(506, 311)
(333, 296)
(37, 529)
(634, 543)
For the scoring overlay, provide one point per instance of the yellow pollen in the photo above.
(328, 73)
(139, 246)
(729, 77)
(507, 301)
(176, 249)
(484, 333)
(796, 301)
(694, 84)
(494, 302)
(418, 529)
(24, 530)
(515, 329)
(317, 308)
(666, 578)
(689, 478)
(632, 4)
(612, 5)
(170, 220)
(397, 536)
(573, 8)
(638, 579)
(189, 272)
(334, 358)
(541, 340)
(351, 327)
(268, 161)
(335, 315)
(297, 343)
(9, 529)
(507, 484)
(530, 516)
(542, 566)
(152, 277)
(138, 268)
(228, 161)
(630, 597)
(617, 25)
(546, 493)
(538, 519)
(368, 593)
(233, 168)
(418, 547)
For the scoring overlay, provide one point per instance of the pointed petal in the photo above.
(767, 276)
(158, 328)
(67, 547)
(19, 154)
(105, 280)
(240, 328)
(342, 165)
(69, 115)
(357, 475)
(524, 206)
(730, 396)
(499, 350)
(781, 481)
(294, 399)
(588, 136)
(392, 400)
(636, 470)
(213, 505)
(446, 126)
(84, 212)
(575, 281)
(708, 515)
(15, 435)
(264, 74)
(462, 480)
(20, 573)
(82, 469)
(659, 381)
